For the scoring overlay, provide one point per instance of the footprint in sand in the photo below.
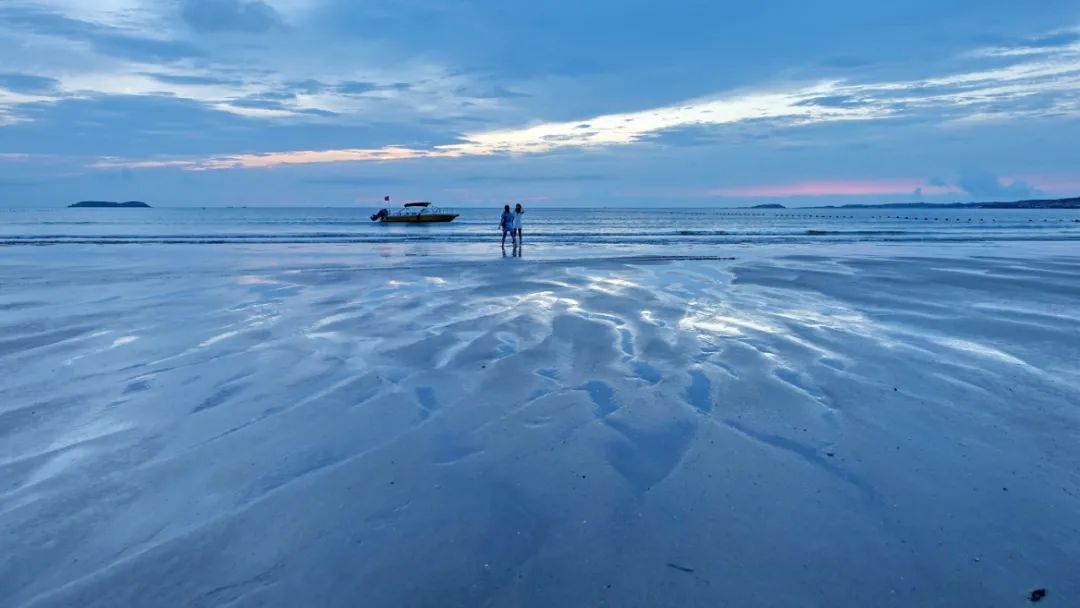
(137, 387)
(699, 393)
(646, 456)
(428, 402)
(508, 344)
(602, 395)
(647, 373)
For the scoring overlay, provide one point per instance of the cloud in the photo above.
(309, 86)
(835, 101)
(356, 180)
(613, 129)
(28, 83)
(266, 97)
(1058, 184)
(350, 88)
(194, 79)
(118, 124)
(283, 102)
(851, 187)
(975, 185)
(306, 157)
(105, 39)
(986, 186)
(490, 92)
(171, 128)
(354, 87)
(1046, 87)
(216, 16)
(1053, 42)
(689, 136)
(535, 179)
(142, 47)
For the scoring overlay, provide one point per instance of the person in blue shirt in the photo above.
(507, 225)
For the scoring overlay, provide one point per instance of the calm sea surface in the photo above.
(576, 232)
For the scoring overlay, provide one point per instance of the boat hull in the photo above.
(419, 219)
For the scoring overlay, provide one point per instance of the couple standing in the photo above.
(510, 222)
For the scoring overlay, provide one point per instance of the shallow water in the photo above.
(591, 230)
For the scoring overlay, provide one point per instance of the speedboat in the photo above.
(415, 213)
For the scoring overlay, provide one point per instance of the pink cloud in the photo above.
(836, 188)
(273, 159)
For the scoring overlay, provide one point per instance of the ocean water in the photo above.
(549, 232)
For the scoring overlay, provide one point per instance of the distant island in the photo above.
(1057, 203)
(109, 204)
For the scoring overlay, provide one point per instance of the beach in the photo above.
(382, 304)
(828, 424)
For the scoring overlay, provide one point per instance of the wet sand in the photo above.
(792, 430)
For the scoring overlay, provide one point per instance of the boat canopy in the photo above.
(417, 204)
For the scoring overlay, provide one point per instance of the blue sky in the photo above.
(218, 102)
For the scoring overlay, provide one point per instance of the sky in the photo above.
(596, 102)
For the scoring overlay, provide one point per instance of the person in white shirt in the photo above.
(516, 225)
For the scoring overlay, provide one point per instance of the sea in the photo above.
(549, 233)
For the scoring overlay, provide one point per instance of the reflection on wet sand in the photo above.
(558, 435)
